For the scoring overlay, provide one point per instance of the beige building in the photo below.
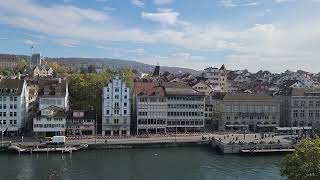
(249, 111)
(303, 108)
(216, 77)
(8, 61)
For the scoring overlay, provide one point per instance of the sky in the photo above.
(273, 35)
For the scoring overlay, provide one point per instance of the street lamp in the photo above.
(96, 125)
(1, 135)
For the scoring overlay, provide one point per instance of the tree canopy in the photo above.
(304, 162)
(86, 89)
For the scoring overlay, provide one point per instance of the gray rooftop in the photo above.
(179, 88)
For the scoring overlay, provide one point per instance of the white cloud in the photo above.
(138, 51)
(163, 2)
(138, 3)
(29, 42)
(243, 3)
(66, 42)
(163, 16)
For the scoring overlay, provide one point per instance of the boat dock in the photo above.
(252, 144)
(63, 149)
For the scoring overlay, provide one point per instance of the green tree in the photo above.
(21, 66)
(304, 162)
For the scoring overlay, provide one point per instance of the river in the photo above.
(197, 163)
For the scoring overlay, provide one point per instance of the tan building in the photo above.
(216, 77)
(8, 61)
(249, 111)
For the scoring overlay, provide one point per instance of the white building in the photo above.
(116, 108)
(185, 108)
(50, 121)
(53, 92)
(13, 106)
(42, 71)
(150, 108)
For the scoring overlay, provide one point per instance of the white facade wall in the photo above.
(185, 113)
(13, 111)
(48, 124)
(151, 114)
(116, 108)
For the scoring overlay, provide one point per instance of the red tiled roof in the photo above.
(148, 89)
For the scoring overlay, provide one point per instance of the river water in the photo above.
(197, 163)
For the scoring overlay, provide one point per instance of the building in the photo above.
(150, 108)
(81, 122)
(202, 87)
(42, 71)
(303, 108)
(50, 121)
(216, 77)
(116, 108)
(35, 60)
(13, 106)
(185, 108)
(53, 92)
(8, 61)
(255, 112)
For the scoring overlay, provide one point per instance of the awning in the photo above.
(293, 128)
(237, 125)
(267, 125)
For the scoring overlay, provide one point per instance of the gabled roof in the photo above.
(180, 88)
(52, 88)
(148, 89)
(57, 112)
(7, 85)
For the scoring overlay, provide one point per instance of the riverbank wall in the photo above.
(146, 145)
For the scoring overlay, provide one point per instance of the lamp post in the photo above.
(1, 135)
(96, 125)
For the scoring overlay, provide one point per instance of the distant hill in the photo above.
(117, 64)
(76, 62)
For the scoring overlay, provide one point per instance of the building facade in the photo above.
(13, 106)
(216, 77)
(249, 111)
(116, 108)
(81, 123)
(53, 92)
(150, 107)
(304, 108)
(50, 121)
(185, 108)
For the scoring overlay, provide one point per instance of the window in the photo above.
(108, 89)
(317, 103)
(14, 98)
(11, 98)
(295, 113)
(311, 103)
(310, 113)
(108, 112)
(116, 96)
(125, 97)
(125, 89)
(116, 121)
(108, 97)
(4, 106)
(14, 121)
(116, 111)
(125, 104)
(302, 113)
(116, 104)
(11, 121)
(317, 113)
(124, 111)
(303, 103)
(11, 114)
(11, 106)
(14, 106)
(116, 89)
